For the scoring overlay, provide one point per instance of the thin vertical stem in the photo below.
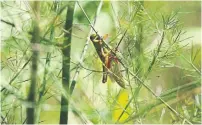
(138, 51)
(35, 46)
(66, 50)
(84, 50)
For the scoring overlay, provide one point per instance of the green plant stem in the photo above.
(66, 63)
(43, 87)
(190, 85)
(138, 47)
(35, 46)
(84, 51)
(168, 95)
(9, 23)
(138, 51)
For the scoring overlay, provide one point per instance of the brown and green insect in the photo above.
(110, 62)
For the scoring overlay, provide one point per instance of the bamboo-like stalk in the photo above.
(47, 63)
(66, 50)
(35, 40)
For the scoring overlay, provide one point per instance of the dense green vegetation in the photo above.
(52, 74)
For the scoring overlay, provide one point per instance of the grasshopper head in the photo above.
(93, 37)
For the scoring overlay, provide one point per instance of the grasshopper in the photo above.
(109, 60)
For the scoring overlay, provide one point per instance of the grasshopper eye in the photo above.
(92, 37)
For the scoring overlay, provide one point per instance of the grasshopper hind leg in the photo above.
(104, 78)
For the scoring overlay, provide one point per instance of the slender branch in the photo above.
(193, 84)
(11, 24)
(193, 66)
(87, 17)
(84, 49)
(121, 40)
